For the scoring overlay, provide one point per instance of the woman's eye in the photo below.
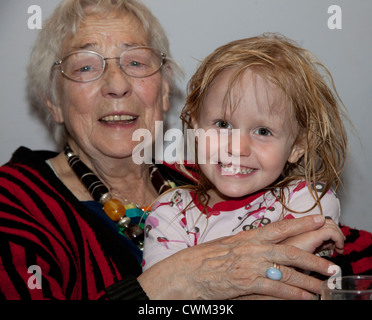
(136, 64)
(223, 124)
(263, 132)
(85, 69)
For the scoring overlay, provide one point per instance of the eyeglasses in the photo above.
(85, 66)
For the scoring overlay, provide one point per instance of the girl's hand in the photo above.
(328, 237)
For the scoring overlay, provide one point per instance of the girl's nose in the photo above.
(239, 144)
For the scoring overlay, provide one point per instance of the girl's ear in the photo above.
(194, 123)
(55, 111)
(298, 151)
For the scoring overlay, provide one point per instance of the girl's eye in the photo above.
(263, 132)
(223, 124)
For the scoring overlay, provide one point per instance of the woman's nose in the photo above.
(116, 83)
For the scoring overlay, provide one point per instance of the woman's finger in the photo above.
(278, 231)
(282, 290)
(291, 256)
(293, 278)
(257, 297)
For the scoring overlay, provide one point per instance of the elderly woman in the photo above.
(70, 223)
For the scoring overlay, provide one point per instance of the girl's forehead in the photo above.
(234, 87)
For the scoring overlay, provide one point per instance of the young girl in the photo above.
(290, 154)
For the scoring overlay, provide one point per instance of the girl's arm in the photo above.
(166, 229)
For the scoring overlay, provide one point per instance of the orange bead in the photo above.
(114, 209)
(146, 209)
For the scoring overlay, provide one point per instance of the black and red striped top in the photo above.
(43, 224)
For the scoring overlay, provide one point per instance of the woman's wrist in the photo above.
(158, 287)
(172, 278)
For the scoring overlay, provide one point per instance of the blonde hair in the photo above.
(64, 23)
(302, 79)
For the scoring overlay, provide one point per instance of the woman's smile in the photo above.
(118, 119)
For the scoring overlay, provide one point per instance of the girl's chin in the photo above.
(229, 194)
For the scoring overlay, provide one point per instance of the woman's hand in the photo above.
(235, 266)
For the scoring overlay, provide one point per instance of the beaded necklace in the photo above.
(112, 207)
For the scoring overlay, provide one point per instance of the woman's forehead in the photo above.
(97, 31)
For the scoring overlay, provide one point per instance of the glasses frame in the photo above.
(59, 63)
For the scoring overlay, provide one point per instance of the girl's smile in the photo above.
(233, 170)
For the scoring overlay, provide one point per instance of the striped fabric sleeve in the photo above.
(47, 250)
(357, 255)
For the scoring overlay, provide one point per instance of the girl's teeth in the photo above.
(235, 170)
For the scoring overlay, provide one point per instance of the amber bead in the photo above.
(114, 209)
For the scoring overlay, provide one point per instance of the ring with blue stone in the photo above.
(274, 273)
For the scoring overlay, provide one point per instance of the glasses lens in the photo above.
(83, 66)
(141, 62)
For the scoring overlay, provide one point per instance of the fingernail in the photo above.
(307, 296)
(318, 218)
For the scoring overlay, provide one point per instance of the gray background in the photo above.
(195, 28)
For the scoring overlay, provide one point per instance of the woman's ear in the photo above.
(166, 90)
(55, 111)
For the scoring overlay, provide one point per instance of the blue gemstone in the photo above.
(273, 274)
